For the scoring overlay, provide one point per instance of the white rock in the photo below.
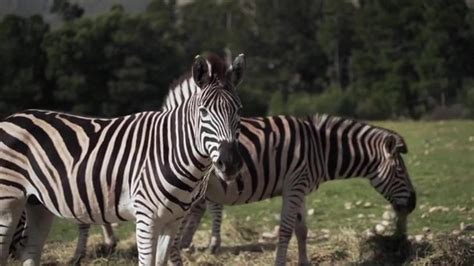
(360, 215)
(388, 207)
(379, 229)
(276, 230)
(456, 232)
(422, 206)
(371, 215)
(385, 223)
(433, 209)
(268, 235)
(444, 209)
(424, 215)
(247, 218)
(359, 202)
(429, 236)
(276, 216)
(426, 229)
(367, 205)
(410, 237)
(418, 238)
(310, 212)
(369, 233)
(325, 231)
(347, 205)
(388, 215)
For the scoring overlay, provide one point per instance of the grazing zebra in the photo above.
(290, 157)
(149, 167)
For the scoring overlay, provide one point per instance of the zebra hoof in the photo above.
(214, 247)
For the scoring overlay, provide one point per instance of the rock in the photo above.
(388, 215)
(456, 232)
(268, 235)
(359, 202)
(429, 236)
(388, 207)
(422, 206)
(323, 238)
(385, 223)
(347, 205)
(424, 215)
(310, 212)
(276, 216)
(367, 205)
(369, 233)
(371, 215)
(276, 230)
(379, 229)
(444, 209)
(247, 218)
(418, 238)
(438, 208)
(426, 229)
(410, 237)
(360, 215)
(325, 231)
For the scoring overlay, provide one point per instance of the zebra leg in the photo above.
(81, 247)
(291, 206)
(11, 208)
(109, 238)
(301, 232)
(146, 232)
(191, 223)
(39, 220)
(175, 256)
(19, 237)
(165, 241)
(216, 214)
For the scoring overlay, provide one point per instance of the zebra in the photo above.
(149, 167)
(290, 157)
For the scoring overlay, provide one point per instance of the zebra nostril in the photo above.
(220, 165)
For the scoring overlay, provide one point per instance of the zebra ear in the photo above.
(402, 146)
(201, 72)
(236, 72)
(390, 144)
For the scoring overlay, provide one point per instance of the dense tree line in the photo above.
(378, 59)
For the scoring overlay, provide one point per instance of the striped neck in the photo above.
(347, 146)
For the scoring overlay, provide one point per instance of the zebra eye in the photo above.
(204, 112)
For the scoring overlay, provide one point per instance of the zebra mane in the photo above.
(184, 87)
(318, 120)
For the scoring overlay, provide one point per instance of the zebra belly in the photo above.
(235, 193)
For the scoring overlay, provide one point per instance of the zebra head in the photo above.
(218, 116)
(391, 176)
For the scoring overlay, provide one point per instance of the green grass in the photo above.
(440, 163)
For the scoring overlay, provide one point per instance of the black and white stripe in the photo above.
(147, 167)
(290, 157)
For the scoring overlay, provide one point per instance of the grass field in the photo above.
(441, 164)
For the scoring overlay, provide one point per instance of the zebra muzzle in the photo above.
(229, 161)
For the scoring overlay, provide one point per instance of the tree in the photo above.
(66, 10)
(23, 83)
(336, 37)
(112, 64)
(442, 60)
